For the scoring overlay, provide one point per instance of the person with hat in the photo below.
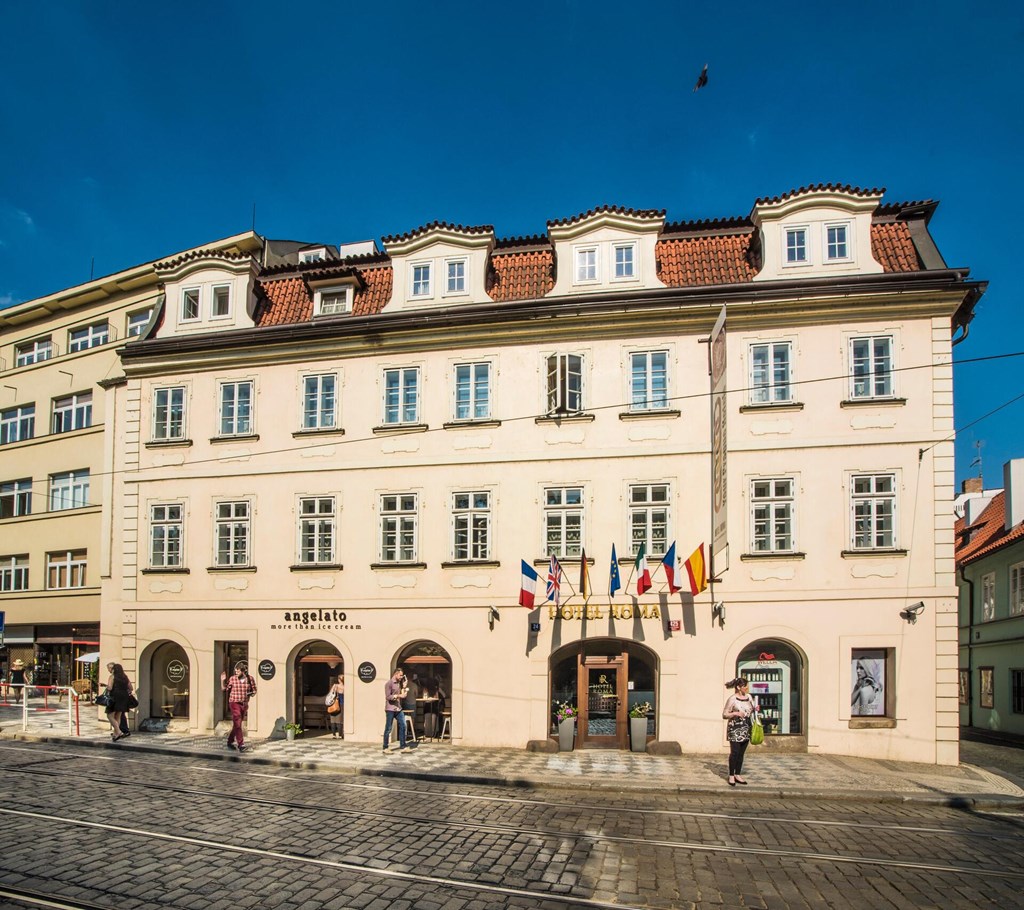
(17, 679)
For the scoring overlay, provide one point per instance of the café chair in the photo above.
(446, 727)
(410, 729)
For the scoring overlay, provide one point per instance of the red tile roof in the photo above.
(892, 247)
(612, 209)
(700, 261)
(288, 300)
(988, 533)
(523, 275)
(438, 225)
(821, 188)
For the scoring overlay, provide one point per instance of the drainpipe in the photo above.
(970, 646)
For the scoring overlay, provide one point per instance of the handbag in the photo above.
(756, 730)
(103, 699)
(133, 702)
(334, 707)
(332, 697)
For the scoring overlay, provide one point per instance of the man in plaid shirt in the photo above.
(240, 688)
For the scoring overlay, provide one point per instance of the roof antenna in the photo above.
(254, 217)
(977, 461)
(92, 266)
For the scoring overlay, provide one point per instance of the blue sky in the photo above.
(131, 131)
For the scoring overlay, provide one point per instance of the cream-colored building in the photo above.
(340, 462)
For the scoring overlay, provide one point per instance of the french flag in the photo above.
(669, 561)
(528, 586)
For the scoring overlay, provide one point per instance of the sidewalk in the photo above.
(830, 777)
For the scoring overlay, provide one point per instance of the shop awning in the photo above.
(90, 658)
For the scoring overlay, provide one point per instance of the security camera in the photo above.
(911, 613)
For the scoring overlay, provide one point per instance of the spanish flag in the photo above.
(697, 571)
(584, 575)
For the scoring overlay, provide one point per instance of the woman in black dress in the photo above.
(119, 687)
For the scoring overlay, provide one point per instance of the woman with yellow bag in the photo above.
(740, 712)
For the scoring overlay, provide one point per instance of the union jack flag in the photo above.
(554, 586)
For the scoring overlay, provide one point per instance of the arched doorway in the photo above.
(168, 678)
(315, 665)
(603, 679)
(428, 667)
(776, 671)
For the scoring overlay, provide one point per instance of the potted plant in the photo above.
(291, 731)
(638, 726)
(565, 714)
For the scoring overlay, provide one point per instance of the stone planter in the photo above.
(290, 734)
(566, 732)
(638, 734)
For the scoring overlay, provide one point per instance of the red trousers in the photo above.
(239, 710)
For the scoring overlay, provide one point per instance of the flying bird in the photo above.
(702, 79)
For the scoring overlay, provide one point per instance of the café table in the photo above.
(429, 715)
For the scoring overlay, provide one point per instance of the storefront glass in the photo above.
(169, 681)
(775, 671)
(428, 668)
(316, 665)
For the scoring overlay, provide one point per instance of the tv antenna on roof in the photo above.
(978, 443)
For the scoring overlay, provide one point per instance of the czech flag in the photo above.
(669, 561)
(528, 586)
(643, 574)
(697, 570)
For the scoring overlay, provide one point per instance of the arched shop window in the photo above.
(169, 675)
(428, 666)
(775, 671)
(316, 665)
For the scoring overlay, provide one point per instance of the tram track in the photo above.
(391, 816)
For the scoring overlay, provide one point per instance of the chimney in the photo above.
(1013, 486)
(973, 508)
(972, 485)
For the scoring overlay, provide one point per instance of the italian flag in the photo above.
(643, 574)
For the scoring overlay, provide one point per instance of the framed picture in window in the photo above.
(867, 675)
(964, 686)
(986, 691)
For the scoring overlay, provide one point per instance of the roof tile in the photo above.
(988, 533)
(521, 276)
(893, 247)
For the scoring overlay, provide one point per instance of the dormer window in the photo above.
(586, 264)
(455, 276)
(421, 286)
(625, 261)
(317, 255)
(332, 301)
(796, 246)
(221, 302)
(189, 304)
(837, 242)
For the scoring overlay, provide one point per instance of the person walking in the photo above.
(17, 679)
(738, 710)
(125, 731)
(119, 688)
(394, 694)
(336, 706)
(240, 688)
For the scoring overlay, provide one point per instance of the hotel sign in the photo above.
(719, 498)
(602, 611)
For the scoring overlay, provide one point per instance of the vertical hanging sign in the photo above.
(719, 499)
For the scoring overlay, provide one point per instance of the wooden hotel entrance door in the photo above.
(603, 702)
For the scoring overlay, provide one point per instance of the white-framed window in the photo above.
(796, 246)
(65, 569)
(169, 413)
(471, 526)
(401, 395)
(771, 514)
(166, 529)
(586, 264)
(73, 412)
(649, 517)
(871, 365)
(317, 255)
(16, 498)
(17, 423)
(648, 380)
(563, 522)
(771, 372)
(455, 276)
(69, 490)
(399, 521)
(137, 321)
(873, 511)
(13, 573)
(90, 336)
(232, 533)
(624, 261)
(565, 383)
(319, 402)
(472, 391)
(236, 403)
(333, 301)
(422, 285)
(189, 304)
(33, 352)
(317, 523)
(1017, 589)
(837, 243)
(221, 306)
(988, 597)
